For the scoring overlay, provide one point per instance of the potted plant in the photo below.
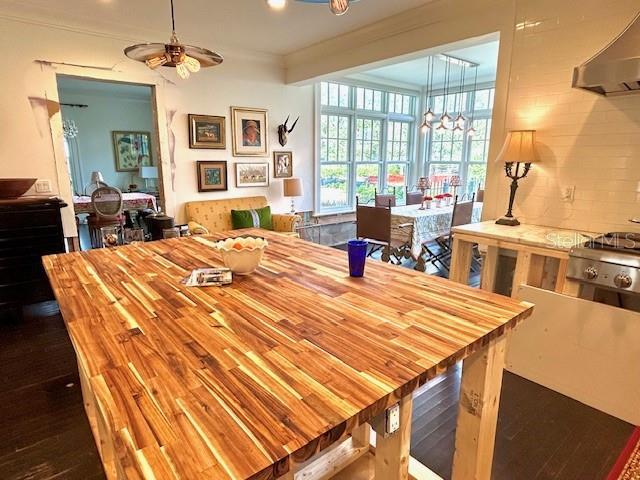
(438, 198)
(447, 198)
(426, 202)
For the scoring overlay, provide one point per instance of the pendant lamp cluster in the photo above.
(186, 59)
(446, 121)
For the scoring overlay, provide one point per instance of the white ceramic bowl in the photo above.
(242, 255)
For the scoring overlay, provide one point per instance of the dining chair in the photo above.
(385, 199)
(412, 198)
(107, 205)
(374, 225)
(462, 215)
(480, 195)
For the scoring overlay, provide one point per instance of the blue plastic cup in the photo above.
(357, 251)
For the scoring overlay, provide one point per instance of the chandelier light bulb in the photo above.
(277, 4)
(442, 126)
(339, 7)
(471, 132)
(429, 116)
(425, 127)
(445, 120)
(192, 64)
(460, 121)
(182, 71)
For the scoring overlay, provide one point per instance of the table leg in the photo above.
(460, 260)
(392, 452)
(489, 269)
(478, 411)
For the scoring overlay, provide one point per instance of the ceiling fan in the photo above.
(337, 7)
(186, 59)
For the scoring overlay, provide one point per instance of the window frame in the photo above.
(355, 114)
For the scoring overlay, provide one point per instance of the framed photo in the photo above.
(132, 150)
(207, 131)
(282, 164)
(249, 128)
(212, 175)
(252, 174)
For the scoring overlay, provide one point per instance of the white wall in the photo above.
(243, 80)
(106, 113)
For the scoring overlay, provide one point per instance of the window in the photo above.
(367, 140)
(451, 153)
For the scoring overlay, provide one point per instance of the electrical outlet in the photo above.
(568, 193)
(393, 418)
(43, 186)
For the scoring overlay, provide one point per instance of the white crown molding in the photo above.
(237, 53)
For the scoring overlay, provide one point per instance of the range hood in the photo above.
(614, 70)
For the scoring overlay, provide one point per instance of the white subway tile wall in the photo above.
(586, 141)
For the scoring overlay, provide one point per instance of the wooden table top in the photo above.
(232, 382)
(532, 235)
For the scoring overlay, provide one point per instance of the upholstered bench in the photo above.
(210, 216)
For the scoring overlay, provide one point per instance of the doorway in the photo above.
(110, 139)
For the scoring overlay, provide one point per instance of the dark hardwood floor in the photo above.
(45, 434)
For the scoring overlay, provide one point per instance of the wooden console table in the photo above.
(281, 374)
(534, 244)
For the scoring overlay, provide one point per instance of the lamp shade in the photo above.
(519, 146)
(148, 172)
(292, 187)
(96, 177)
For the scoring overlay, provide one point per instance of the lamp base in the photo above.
(509, 221)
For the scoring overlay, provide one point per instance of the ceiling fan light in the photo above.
(339, 7)
(277, 4)
(182, 71)
(192, 64)
(155, 62)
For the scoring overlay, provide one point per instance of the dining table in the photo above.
(130, 201)
(295, 369)
(414, 226)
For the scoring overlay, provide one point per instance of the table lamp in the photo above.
(147, 173)
(292, 188)
(519, 148)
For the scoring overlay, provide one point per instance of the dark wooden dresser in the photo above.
(30, 227)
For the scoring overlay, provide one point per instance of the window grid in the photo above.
(373, 161)
(455, 153)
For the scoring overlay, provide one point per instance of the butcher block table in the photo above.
(282, 372)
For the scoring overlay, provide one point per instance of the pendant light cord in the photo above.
(475, 89)
(173, 19)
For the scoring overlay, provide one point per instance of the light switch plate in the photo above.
(43, 186)
(393, 418)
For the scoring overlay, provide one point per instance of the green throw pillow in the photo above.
(254, 218)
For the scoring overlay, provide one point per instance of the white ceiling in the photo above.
(413, 73)
(215, 24)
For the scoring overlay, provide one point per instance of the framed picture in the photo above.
(252, 174)
(249, 128)
(207, 131)
(282, 164)
(132, 150)
(212, 175)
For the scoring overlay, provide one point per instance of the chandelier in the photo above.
(69, 129)
(186, 59)
(337, 7)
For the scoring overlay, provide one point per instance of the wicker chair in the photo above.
(107, 212)
(412, 198)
